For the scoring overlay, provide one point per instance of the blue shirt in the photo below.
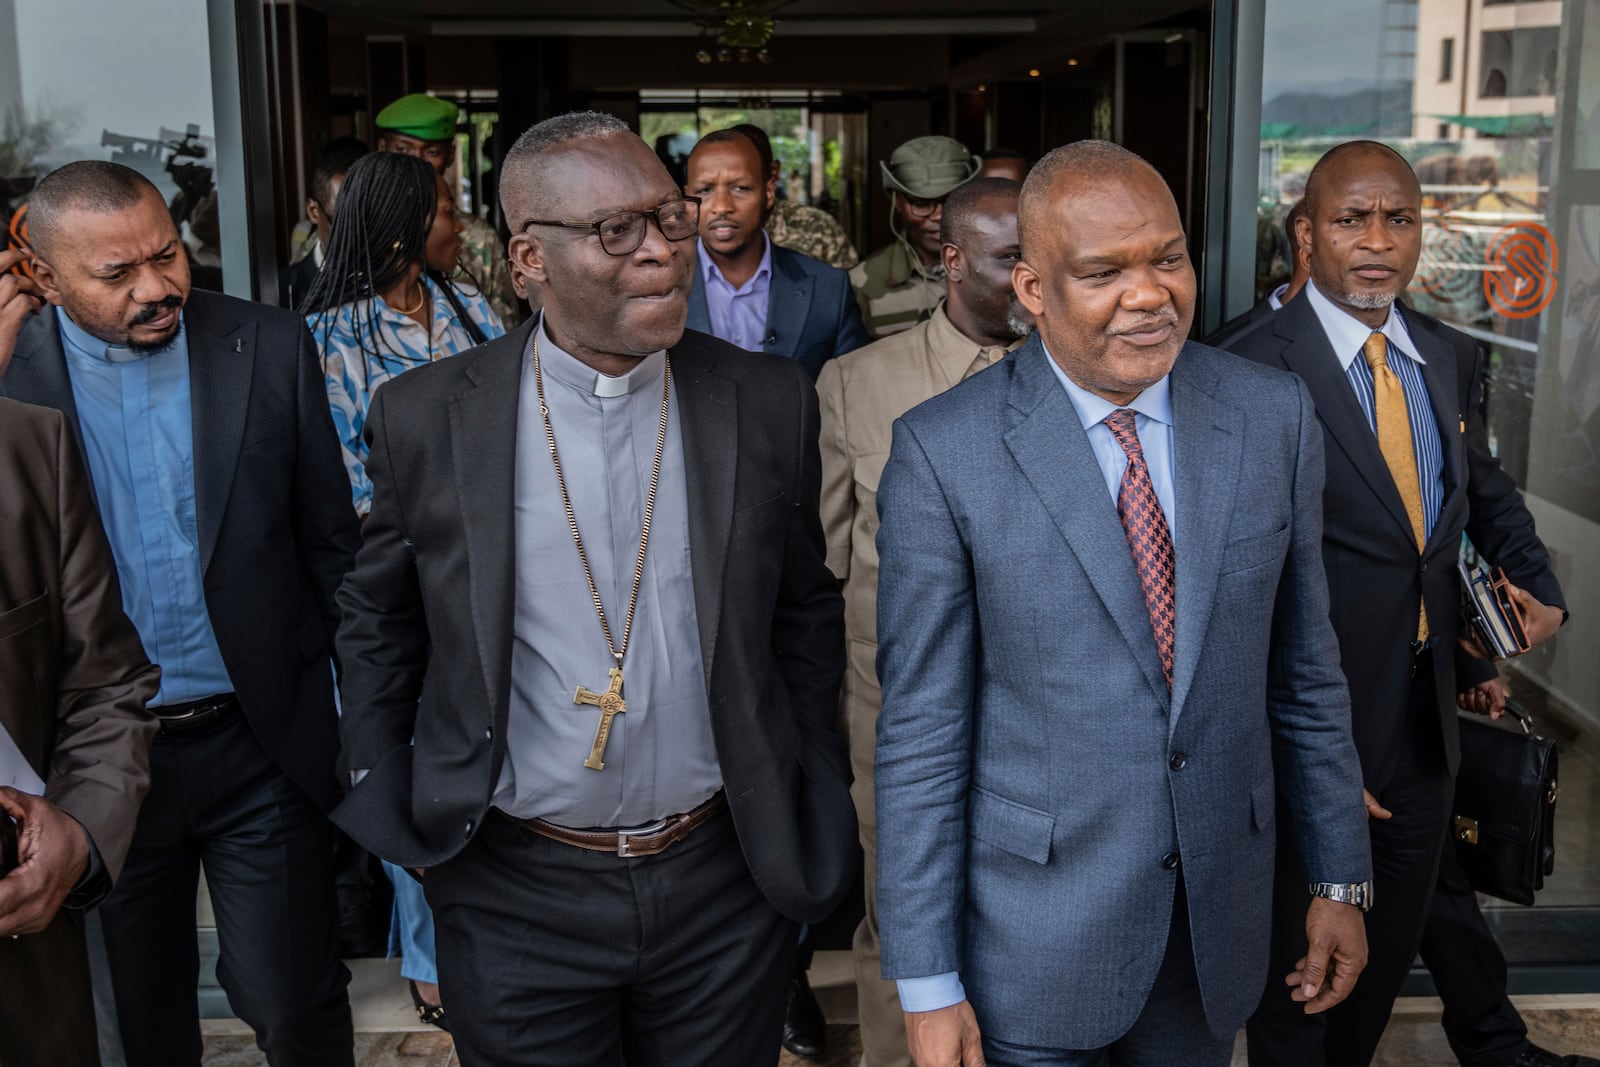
(1153, 423)
(138, 440)
(738, 316)
(365, 343)
(1348, 335)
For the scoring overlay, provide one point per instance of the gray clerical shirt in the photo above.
(660, 759)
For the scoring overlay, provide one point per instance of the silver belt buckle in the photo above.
(623, 836)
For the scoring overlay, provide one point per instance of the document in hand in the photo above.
(1488, 608)
(15, 770)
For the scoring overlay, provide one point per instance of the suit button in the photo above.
(488, 735)
(1170, 860)
(1178, 761)
(469, 827)
(1424, 568)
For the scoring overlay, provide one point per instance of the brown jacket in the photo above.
(74, 679)
(861, 395)
(74, 682)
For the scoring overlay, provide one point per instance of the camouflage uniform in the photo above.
(484, 257)
(811, 232)
(895, 289)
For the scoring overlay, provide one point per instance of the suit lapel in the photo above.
(38, 370)
(1439, 376)
(1206, 453)
(708, 419)
(788, 304)
(221, 361)
(483, 447)
(1311, 357)
(699, 313)
(1048, 442)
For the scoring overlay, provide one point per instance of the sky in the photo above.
(1327, 46)
(114, 69)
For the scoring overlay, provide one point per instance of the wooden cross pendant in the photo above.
(611, 705)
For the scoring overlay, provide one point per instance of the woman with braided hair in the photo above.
(387, 299)
(383, 304)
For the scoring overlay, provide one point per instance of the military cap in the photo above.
(929, 167)
(427, 118)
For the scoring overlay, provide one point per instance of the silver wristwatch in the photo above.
(1356, 893)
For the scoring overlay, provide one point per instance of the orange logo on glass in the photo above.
(1521, 278)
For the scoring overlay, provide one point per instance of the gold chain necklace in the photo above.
(610, 701)
(422, 298)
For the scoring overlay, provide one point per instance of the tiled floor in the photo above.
(390, 1036)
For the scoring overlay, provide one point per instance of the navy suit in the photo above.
(812, 314)
(1042, 796)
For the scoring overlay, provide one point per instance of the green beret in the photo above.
(928, 168)
(427, 118)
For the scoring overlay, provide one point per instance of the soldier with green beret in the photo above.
(425, 126)
(900, 285)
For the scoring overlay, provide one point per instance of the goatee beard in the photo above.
(1368, 301)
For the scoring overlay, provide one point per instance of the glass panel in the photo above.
(1490, 103)
(76, 84)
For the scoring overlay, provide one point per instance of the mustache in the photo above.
(1146, 320)
(152, 311)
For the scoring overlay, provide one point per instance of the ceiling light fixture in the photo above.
(733, 30)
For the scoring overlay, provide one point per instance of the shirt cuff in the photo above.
(931, 993)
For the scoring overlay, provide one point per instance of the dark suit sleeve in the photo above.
(852, 334)
(327, 533)
(100, 762)
(1308, 703)
(808, 620)
(383, 636)
(1498, 520)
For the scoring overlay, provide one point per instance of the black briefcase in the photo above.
(1505, 807)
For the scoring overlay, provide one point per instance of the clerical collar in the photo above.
(566, 369)
(92, 346)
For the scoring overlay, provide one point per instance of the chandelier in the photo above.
(738, 29)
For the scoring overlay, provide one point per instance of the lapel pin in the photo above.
(238, 344)
(1463, 425)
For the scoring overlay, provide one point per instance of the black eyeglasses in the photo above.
(621, 234)
(919, 208)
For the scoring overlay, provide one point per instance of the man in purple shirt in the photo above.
(748, 291)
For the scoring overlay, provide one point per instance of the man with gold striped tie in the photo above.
(1399, 397)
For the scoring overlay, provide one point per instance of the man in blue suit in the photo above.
(1105, 650)
(747, 290)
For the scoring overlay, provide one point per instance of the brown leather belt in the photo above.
(630, 844)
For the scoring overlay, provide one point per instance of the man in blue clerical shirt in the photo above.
(213, 462)
(747, 290)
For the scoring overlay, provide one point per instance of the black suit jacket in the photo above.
(295, 281)
(276, 529)
(1218, 338)
(427, 612)
(812, 313)
(1375, 573)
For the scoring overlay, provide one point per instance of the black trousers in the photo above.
(1405, 857)
(1469, 970)
(552, 955)
(218, 800)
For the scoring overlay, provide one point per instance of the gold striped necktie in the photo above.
(1393, 420)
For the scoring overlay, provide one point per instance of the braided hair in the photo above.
(380, 231)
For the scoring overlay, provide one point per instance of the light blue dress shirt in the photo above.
(738, 316)
(1153, 423)
(138, 440)
(1348, 335)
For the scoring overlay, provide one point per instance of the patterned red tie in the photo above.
(1148, 536)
